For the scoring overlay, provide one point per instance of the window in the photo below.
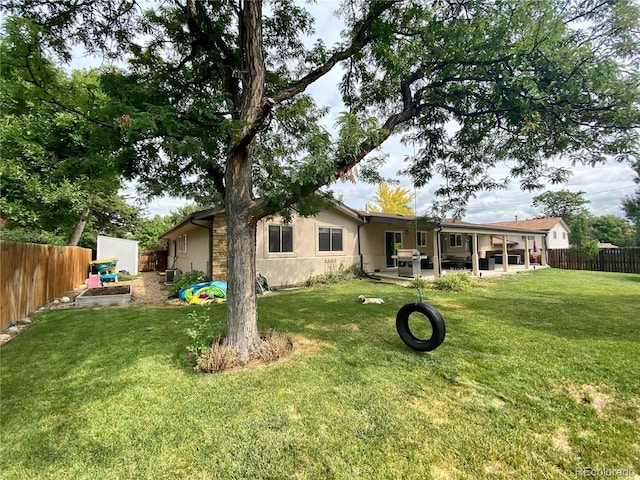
(330, 239)
(564, 235)
(555, 235)
(421, 239)
(182, 243)
(455, 240)
(280, 239)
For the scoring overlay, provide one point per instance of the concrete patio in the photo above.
(391, 274)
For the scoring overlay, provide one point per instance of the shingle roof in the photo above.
(534, 224)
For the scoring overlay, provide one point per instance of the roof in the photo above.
(448, 225)
(209, 213)
(545, 224)
(206, 214)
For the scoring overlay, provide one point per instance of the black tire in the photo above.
(437, 326)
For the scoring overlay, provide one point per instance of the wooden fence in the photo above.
(33, 274)
(623, 260)
(152, 260)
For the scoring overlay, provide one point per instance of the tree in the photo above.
(571, 206)
(586, 230)
(149, 229)
(562, 203)
(213, 100)
(397, 200)
(58, 169)
(613, 229)
(631, 206)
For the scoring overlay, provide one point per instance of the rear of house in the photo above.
(286, 253)
(291, 253)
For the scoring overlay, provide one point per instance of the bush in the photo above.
(420, 283)
(342, 275)
(276, 346)
(216, 358)
(455, 282)
(186, 279)
(202, 332)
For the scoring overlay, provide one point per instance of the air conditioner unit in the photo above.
(170, 275)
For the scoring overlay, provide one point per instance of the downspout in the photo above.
(209, 228)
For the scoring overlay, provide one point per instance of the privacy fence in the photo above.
(32, 274)
(152, 260)
(624, 260)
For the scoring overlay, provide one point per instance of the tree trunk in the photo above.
(79, 228)
(242, 313)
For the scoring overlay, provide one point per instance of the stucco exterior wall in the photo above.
(306, 260)
(196, 256)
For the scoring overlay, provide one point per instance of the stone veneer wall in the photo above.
(219, 245)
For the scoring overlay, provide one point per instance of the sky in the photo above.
(604, 186)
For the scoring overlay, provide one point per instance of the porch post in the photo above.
(526, 252)
(505, 256)
(475, 263)
(436, 257)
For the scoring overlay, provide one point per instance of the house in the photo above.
(288, 253)
(556, 228)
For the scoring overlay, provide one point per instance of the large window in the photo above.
(280, 239)
(330, 239)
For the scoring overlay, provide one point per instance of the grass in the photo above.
(537, 378)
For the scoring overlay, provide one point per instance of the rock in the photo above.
(4, 337)
(13, 330)
(24, 321)
(65, 299)
(56, 301)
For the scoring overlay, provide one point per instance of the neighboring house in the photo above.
(290, 253)
(556, 228)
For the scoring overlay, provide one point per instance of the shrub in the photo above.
(276, 346)
(202, 332)
(420, 283)
(186, 279)
(342, 275)
(455, 282)
(216, 358)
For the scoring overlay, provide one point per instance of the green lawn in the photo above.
(537, 378)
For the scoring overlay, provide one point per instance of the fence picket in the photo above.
(33, 274)
(621, 260)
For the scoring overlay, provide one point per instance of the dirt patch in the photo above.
(593, 396)
(560, 440)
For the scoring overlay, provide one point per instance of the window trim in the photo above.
(268, 242)
(182, 244)
(455, 240)
(420, 235)
(331, 229)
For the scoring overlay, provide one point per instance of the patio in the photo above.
(391, 274)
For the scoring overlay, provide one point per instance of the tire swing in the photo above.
(435, 319)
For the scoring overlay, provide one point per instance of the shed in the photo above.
(126, 251)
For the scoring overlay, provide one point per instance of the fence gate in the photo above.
(152, 260)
